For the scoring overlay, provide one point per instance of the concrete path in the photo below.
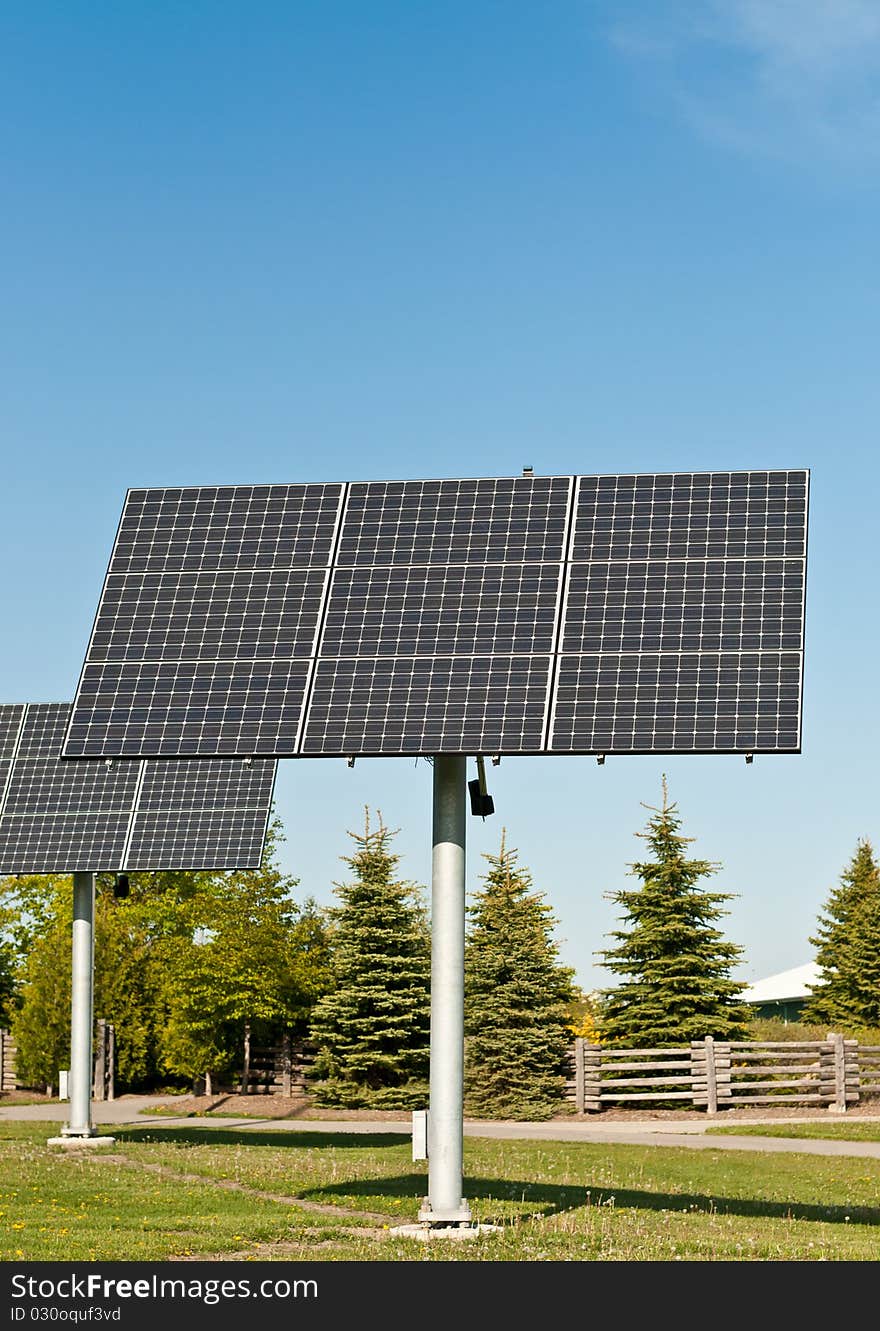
(129, 1111)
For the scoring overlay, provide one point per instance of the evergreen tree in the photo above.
(678, 986)
(372, 1028)
(848, 948)
(518, 999)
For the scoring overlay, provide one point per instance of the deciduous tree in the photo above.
(40, 911)
(244, 957)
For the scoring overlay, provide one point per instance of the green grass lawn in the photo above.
(853, 1131)
(164, 1193)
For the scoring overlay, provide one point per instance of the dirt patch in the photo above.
(272, 1107)
(283, 1107)
(27, 1098)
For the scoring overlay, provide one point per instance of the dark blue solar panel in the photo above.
(403, 617)
(66, 817)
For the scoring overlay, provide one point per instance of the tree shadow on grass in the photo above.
(300, 1139)
(526, 1200)
(514, 1198)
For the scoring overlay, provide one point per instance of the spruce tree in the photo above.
(372, 1028)
(848, 948)
(676, 964)
(517, 999)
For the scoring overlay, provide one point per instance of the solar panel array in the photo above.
(563, 614)
(126, 814)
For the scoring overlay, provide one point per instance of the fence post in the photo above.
(7, 1062)
(579, 1074)
(99, 1088)
(852, 1064)
(592, 1076)
(111, 1061)
(723, 1075)
(711, 1083)
(839, 1105)
(285, 1064)
(246, 1064)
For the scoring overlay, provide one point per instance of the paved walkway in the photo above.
(129, 1111)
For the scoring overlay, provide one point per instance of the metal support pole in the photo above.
(444, 1204)
(79, 1131)
(79, 1079)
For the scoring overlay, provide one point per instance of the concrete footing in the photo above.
(457, 1232)
(81, 1141)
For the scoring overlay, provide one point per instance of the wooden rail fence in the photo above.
(715, 1074)
(7, 1062)
(707, 1074)
(104, 1061)
(279, 1069)
(869, 1068)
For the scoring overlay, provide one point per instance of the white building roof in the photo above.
(787, 985)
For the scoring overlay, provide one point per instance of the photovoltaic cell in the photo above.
(441, 618)
(207, 623)
(68, 817)
(10, 725)
(677, 702)
(42, 784)
(190, 708)
(157, 836)
(683, 615)
(727, 515)
(397, 705)
(219, 615)
(677, 605)
(236, 528)
(53, 843)
(493, 609)
(509, 615)
(513, 520)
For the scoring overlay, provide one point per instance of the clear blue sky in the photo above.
(272, 242)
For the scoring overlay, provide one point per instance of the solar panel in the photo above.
(126, 814)
(397, 705)
(568, 614)
(512, 520)
(208, 622)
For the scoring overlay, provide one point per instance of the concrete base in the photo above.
(426, 1232)
(453, 1215)
(81, 1141)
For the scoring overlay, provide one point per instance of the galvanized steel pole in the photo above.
(81, 999)
(444, 1204)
